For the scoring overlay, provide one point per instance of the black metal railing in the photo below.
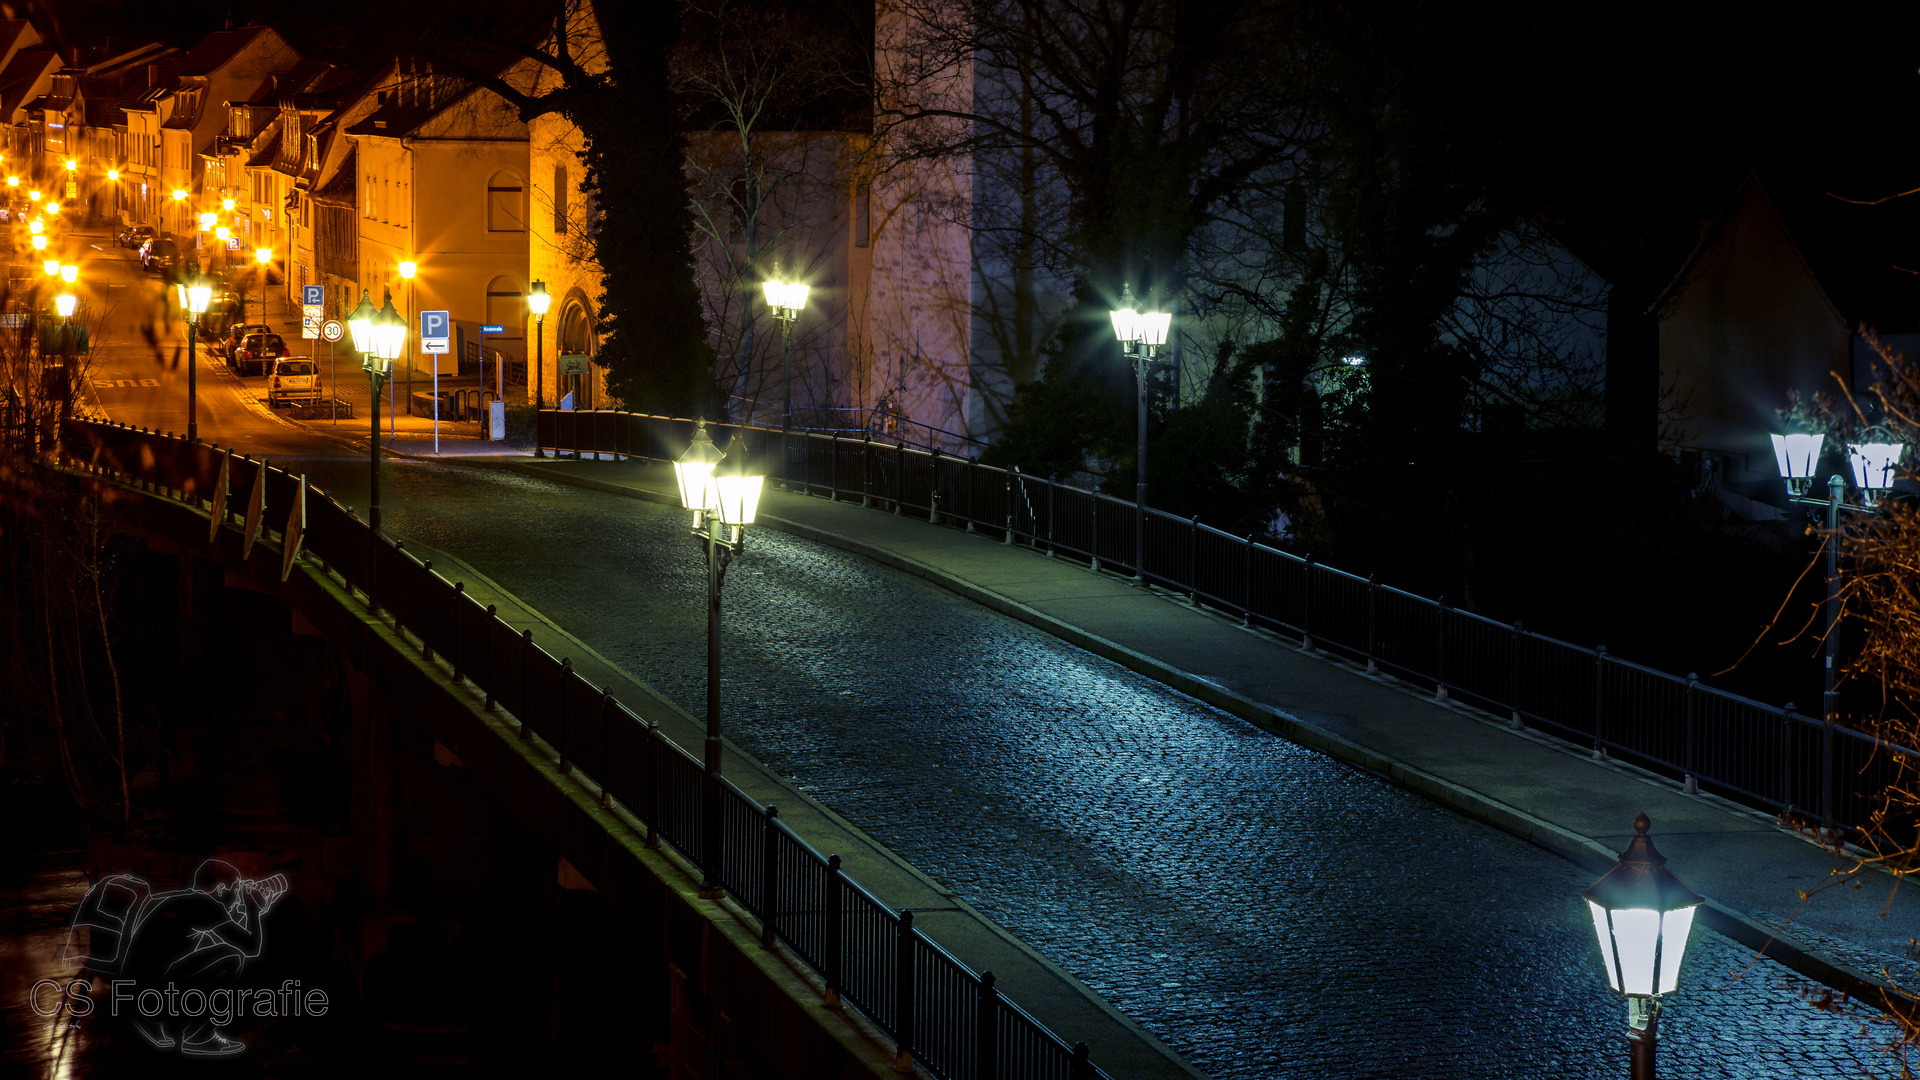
(1768, 756)
(867, 954)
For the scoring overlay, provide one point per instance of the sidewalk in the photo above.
(1547, 792)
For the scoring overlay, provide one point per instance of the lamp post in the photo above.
(785, 299)
(194, 292)
(408, 268)
(379, 335)
(263, 256)
(722, 495)
(1141, 334)
(537, 302)
(1797, 454)
(1642, 914)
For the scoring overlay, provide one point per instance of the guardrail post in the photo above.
(1513, 678)
(459, 594)
(1008, 497)
(606, 746)
(806, 463)
(526, 651)
(650, 766)
(899, 475)
(866, 470)
(1692, 783)
(1440, 680)
(1246, 582)
(831, 957)
(1373, 605)
(769, 880)
(986, 1039)
(488, 659)
(426, 606)
(903, 994)
(1081, 1068)
(1193, 561)
(833, 468)
(933, 487)
(1052, 500)
(1826, 770)
(1306, 608)
(566, 669)
(1093, 531)
(1599, 704)
(967, 480)
(1786, 760)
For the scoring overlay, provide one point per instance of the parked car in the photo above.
(229, 344)
(294, 378)
(134, 236)
(160, 255)
(220, 314)
(256, 352)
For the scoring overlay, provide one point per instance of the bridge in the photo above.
(1433, 736)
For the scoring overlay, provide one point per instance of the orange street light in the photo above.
(70, 273)
(36, 226)
(179, 195)
(52, 267)
(39, 243)
(113, 174)
(227, 205)
(72, 164)
(34, 195)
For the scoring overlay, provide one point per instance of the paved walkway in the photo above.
(1536, 787)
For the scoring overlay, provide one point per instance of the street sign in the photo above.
(311, 315)
(436, 332)
(493, 329)
(332, 330)
(313, 294)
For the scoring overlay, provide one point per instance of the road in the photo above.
(1265, 910)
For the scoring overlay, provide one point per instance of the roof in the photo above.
(217, 48)
(267, 153)
(340, 190)
(20, 81)
(1865, 256)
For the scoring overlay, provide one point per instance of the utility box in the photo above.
(497, 420)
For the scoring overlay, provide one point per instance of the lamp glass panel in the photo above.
(1126, 325)
(797, 296)
(362, 330)
(735, 498)
(1605, 936)
(1635, 933)
(537, 302)
(1673, 946)
(775, 292)
(65, 303)
(69, 273)
(389, 340)
(1796, 454)
(1153, 327)
(1873, 464)
(695, 492)
(180, 294)
(198, 297)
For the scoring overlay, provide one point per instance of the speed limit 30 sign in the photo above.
(332, 330)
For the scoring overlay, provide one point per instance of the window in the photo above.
(559, 199)
(506, 203)
(507, 306)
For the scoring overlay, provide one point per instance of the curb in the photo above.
(1580, 850)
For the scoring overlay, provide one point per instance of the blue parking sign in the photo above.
(436, 330)
(313, 294)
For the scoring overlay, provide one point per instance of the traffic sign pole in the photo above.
(331, 330)
(436, 334)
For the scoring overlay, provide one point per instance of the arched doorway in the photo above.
(575, 339)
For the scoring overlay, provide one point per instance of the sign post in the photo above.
(331, 330)
(436, 339)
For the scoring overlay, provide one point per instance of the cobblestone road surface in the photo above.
(1265, 910)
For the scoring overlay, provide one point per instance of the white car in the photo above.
(293, 378)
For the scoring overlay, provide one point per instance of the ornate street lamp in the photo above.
(69, 273)
(723, 495)
(379, 336)
(1140, 334)
(537, 302)
(65, 304)
(194, 292)
(785, 301)
(1642, 914)
(1874, 463)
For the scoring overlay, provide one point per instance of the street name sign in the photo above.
(436, 332)
(493, 329)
